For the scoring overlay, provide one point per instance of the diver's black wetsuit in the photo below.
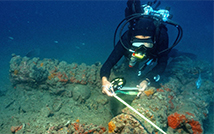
(119, 51)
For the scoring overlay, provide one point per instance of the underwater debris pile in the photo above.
(154, 107)
(171, 112)
(76, 128)
(68, 91)
(51, 72)
(177, 106)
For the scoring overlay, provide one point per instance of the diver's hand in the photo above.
(107, 87)
(142, 86)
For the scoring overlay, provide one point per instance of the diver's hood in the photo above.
(145, 27)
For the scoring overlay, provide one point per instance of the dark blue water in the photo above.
(83, 31)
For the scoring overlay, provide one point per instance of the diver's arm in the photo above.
(105, 71)
(115, 56)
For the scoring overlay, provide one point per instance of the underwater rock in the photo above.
(81, 93)
(57, 106)
(38, 74)
(59, 91)
(51, 72)
(171, 109)
(102, 100)
(187, 70)
(46, 112)
(76, 128)
(15, 62)
(44, 87)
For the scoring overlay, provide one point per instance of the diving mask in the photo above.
(141, 46)
(142, 42)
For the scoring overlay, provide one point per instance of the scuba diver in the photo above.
(145, 41)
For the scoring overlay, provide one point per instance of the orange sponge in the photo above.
(196, 127)
(174, 120)
(149, 92)
(111, 127)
